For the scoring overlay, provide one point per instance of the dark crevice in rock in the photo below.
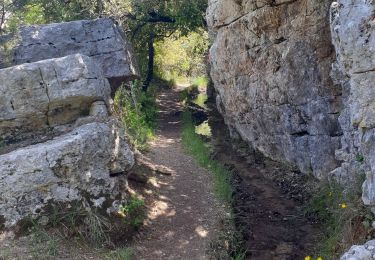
(300, 134)
(45, 86)
(279, 40)
(11, 104)
(364, 71)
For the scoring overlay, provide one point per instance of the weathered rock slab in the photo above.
(72, 167)
(45, 94)
(100, 39)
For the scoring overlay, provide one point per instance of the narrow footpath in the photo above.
(184, 215)
(184, 212)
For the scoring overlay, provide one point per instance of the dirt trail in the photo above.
(184, 211)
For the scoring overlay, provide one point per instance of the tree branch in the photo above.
(152, 18)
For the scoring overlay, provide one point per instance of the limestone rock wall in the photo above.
(271, 65)
(353, 34)
(296, 80)
(284, 88)
(58, 140)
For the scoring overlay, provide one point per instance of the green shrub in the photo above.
(181, 58)
(201, 82)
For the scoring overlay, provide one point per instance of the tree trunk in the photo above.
(150, 66)
(99, 7)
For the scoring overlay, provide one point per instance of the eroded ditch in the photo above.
(268, 200)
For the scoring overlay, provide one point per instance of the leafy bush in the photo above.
(182, 57)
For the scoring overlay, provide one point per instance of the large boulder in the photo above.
(100, 39)
(271, 64)
(72, 167)
(38, 96)
(59, 143)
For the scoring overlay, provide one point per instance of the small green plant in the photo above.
(119, 254)
(346, 221)
(133, 212)
(189, 93)
(2, 143)
(360, 158)
(138, 113)
(44, 243)
(97, 229)
(80, 221)
(201, 81)
(200, 100)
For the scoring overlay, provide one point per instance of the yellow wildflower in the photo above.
(307, 258)
(319, 258)
(343, 205)
(121, 214)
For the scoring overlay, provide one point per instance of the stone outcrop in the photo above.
(58, 140)
(296, 80)
(363, 252)
(353, 34)
(100, 39)
(71, 167)
(38, 96)
(271, 65)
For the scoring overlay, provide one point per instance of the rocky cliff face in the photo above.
(295, 80)
(271, 65)
(58, 140)
(353, 34)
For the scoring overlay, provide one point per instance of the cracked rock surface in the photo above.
(271, 64)
(353, 34)
(100, 39)
(45, 94)
(363, 252)
(71, 167)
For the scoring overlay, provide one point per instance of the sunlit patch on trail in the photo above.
(204, 129)
(163, 142)
(201, 231)
(161, 208)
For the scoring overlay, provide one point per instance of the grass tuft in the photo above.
(138, 113)
(346, 221)
(119, 254)
(195, 146)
